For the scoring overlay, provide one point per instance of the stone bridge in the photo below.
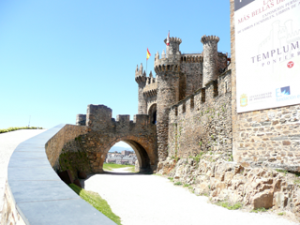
(103, 132)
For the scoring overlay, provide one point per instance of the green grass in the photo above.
(229, 206)
(171, 178)
(17, 128)
(281, 214)
(97, 202)
(111, 166)
(259, 210)
(282, 171)
(178, 183)
(186, 185)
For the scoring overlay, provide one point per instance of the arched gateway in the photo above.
(104, 132)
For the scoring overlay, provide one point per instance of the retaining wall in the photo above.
(35, 194)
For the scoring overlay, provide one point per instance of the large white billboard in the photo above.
(267, 46)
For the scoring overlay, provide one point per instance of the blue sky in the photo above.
(56, 57)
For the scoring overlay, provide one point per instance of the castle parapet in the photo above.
(140, 75)
(99, 119)
(80, 119)
(123, 118)
(151, 86)
(169, 62)
(191, 58)
(150, 90)
(203, 97)
(141, 119)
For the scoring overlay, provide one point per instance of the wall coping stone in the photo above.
(39, 194)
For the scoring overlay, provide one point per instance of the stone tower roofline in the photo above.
(174, 39)
(170, 63)
(211, 38)
(140, 74)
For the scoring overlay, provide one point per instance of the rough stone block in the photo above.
(263, 200)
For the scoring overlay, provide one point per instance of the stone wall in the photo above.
(202, 122)
(74, 159)
(270, 136)
(193, 76)
(56, 144)
(221, 180)
(11, 214)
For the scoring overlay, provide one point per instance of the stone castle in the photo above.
(188, 128)
(177, 77)
(184, 84)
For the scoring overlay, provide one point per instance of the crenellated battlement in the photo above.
(169, 61)
(172, 63)
(99, 118)
(174, 40)
(202, 98)
(191, 58)
(150, 89)
(211, 38)
(140, 74)
(80, 119)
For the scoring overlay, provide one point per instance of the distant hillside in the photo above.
(119, 149)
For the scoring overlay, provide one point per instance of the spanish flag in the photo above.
(148, 54)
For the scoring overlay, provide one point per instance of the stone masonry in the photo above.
(103, 132)
(270, 136)
(178, 76)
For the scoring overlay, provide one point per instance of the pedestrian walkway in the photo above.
(8, 142)
(150, 199)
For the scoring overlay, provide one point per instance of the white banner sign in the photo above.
(267, 46)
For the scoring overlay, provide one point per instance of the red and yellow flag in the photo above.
(148, 54)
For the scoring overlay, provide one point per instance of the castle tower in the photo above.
(210, 58)
(167, 74)
(173, 47)
(140, 78)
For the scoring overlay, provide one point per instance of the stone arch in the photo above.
(104, 131)
(152, 112)
(144, 154)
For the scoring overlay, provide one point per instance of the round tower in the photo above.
(210, 58)
(140, 78)
(167, 74)
(173, 47)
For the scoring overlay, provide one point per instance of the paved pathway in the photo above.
(8, 142)
(150, 199)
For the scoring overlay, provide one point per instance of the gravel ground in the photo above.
(149, 199)
(8, 142)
